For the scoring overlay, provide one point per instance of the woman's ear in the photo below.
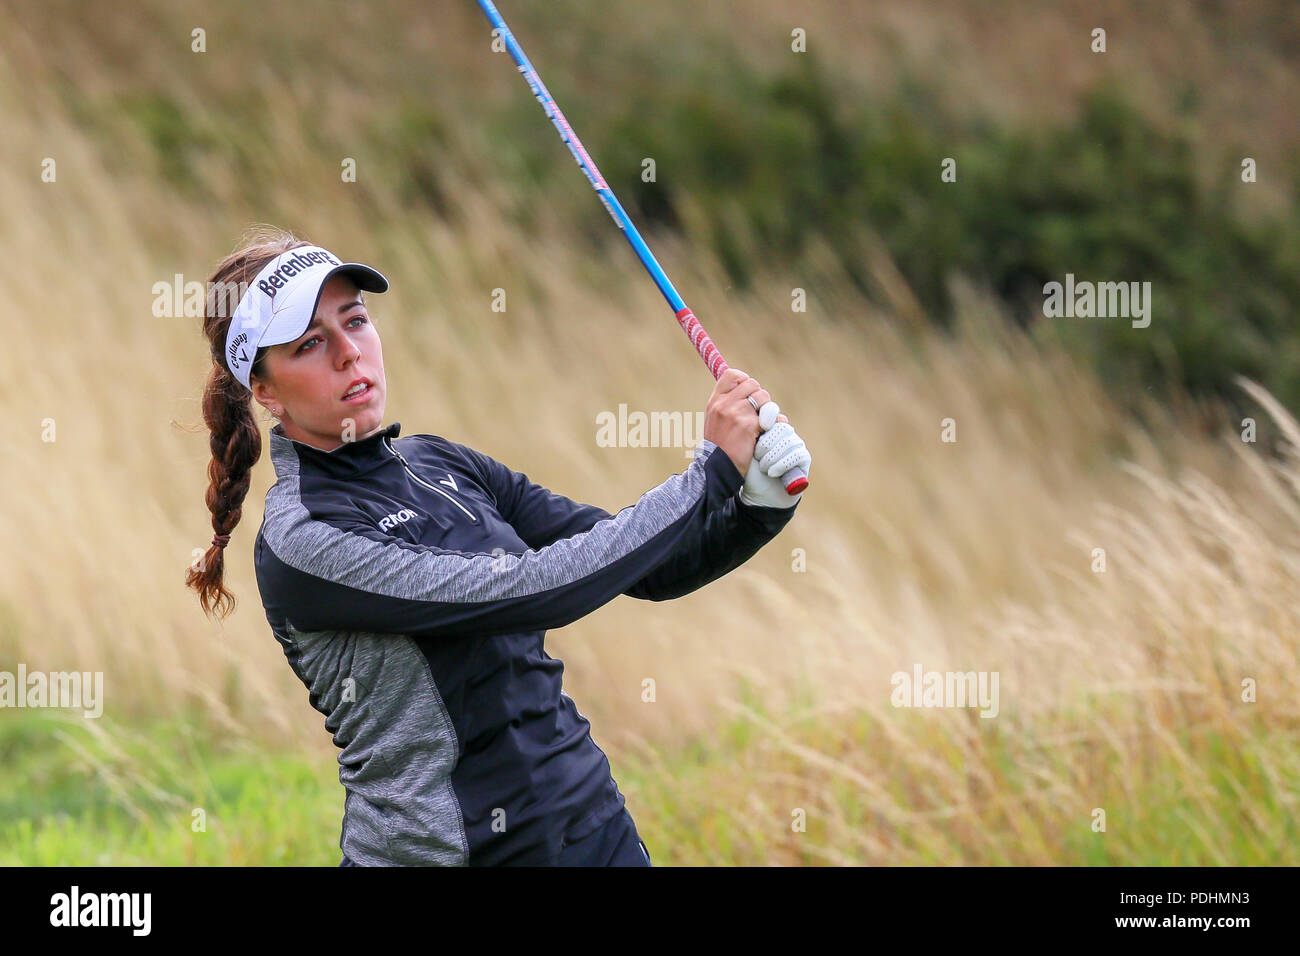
(264, 394)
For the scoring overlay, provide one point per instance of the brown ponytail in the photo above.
(235, 437)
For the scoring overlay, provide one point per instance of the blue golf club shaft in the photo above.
(794, 480)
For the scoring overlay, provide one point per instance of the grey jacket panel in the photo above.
(397, 746)
(411, 583)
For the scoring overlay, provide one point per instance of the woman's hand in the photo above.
(730, 422)
(778, 450)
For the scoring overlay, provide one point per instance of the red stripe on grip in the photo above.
(703, 344)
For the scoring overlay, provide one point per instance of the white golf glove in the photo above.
(777, 451)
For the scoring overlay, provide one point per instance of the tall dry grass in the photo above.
(973, 555)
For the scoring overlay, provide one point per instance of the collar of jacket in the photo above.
(350, 459)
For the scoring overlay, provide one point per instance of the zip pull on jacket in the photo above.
(410, 582)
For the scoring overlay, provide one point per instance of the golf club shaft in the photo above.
(794, 480)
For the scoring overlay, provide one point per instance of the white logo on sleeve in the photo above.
(388, 522)
(449, 481)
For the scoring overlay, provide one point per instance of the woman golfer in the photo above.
(411, 580)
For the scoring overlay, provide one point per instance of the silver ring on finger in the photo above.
(750, 399)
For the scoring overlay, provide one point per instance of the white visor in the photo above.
(279, 304)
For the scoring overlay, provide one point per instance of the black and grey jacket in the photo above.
(411, 581)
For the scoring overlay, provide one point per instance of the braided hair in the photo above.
(235, 438)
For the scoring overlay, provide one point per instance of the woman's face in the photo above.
(306, 379)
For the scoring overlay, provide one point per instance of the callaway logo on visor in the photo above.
(281, 301)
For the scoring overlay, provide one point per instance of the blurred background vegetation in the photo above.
(775, 170)
(765, 157)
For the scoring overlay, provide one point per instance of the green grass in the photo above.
(1198, 798)
(113, 795)
(76, 794)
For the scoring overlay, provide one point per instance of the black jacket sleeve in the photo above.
(731, 534)
(338, 572)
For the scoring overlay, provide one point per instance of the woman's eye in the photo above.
(305, 345)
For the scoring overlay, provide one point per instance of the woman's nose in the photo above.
(348, 352)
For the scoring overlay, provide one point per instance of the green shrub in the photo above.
(767, 163)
